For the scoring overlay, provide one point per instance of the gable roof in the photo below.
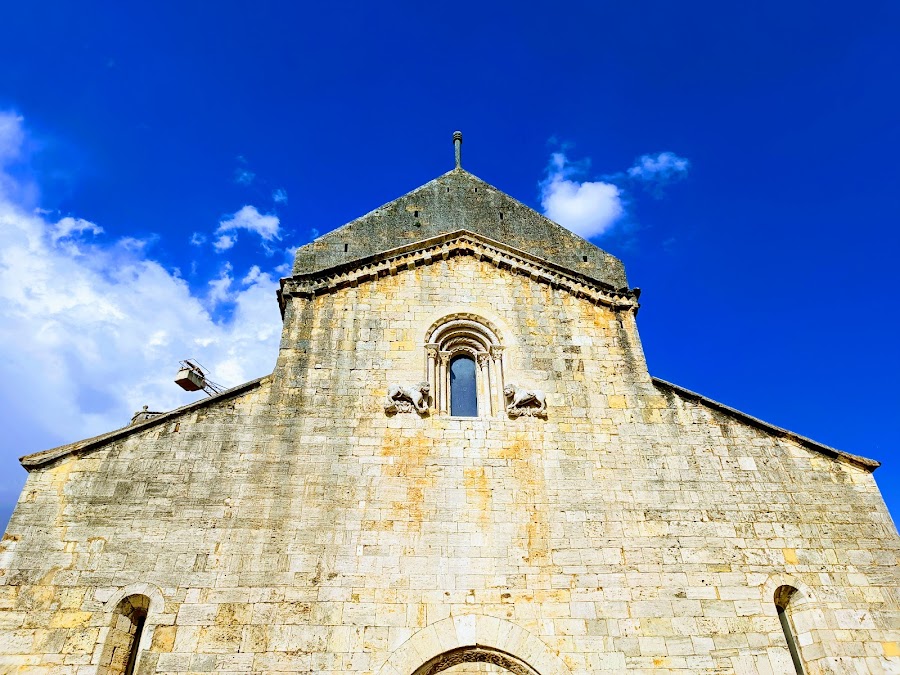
(458, 201)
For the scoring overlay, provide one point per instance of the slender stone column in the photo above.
(484, 387)
(499, 379)
(430, 372)
(444, 371)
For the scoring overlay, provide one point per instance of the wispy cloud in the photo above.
(658, 170)
(67, 227)
(247, 218)
(280, 196)
(224, 242)
(12, 137)
(587, 208)
(242, 174)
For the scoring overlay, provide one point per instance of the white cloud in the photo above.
(248, 218)
(661, 167)
(198, 239)
(279, 196)
(587, 208)
(92, 329)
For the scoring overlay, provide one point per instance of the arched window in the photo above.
(464, 366)
(782, 604)
(121, 651)
(463, 390)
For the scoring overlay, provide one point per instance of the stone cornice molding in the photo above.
(461, 242)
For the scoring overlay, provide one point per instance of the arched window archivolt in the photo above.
(465, 335)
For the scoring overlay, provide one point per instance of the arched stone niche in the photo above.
(473, 336)
(473, 638)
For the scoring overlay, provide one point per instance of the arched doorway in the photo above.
(475, 660)
(473, 643)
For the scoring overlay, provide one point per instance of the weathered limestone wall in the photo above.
(298, 528)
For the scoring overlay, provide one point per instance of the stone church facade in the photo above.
(341, 515)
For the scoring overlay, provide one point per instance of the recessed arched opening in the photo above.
(462, 659)
(123, 642)
(463, 388)
(464, 366)
(783, 597)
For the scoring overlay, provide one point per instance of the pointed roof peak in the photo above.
(459, 200)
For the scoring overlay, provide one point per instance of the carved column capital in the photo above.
(496, 351)
(432, 349)
(482, 358)
(445, 357)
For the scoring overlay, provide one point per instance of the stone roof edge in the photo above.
(39, 459)
(423, 252)
(469, 174)
(533, 210)
(862, 462)
(386, 204)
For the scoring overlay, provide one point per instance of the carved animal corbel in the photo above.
(407, 398)
(525, 402)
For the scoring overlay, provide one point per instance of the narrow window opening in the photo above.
(345, 247)
(139, 620)
(782, 601)
(463, 392)
(415, 214)
(501, 215)
(476, 189)
(584, 258)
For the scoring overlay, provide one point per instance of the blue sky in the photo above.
(159, 162)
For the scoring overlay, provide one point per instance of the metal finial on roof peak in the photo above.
(457, 148)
